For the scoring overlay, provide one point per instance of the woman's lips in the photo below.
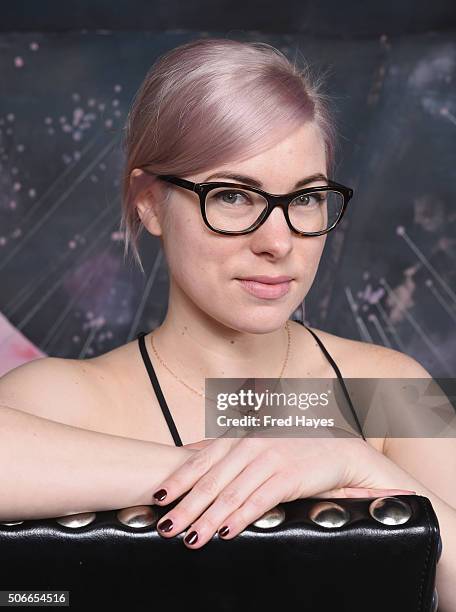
(265, 290)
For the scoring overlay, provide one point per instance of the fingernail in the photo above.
(166, 525)
(160, 495)
(223, 531)
(191, 537)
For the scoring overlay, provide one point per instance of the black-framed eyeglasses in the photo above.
(234, 209)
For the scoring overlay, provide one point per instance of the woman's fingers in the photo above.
(265, 497)
(240, 494)
(190, 472)
(206, 473)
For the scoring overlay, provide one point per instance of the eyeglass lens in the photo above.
(239, 209)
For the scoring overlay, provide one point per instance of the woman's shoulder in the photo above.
(65, 390)
(359, 359)
(98, 393)
(117, 367)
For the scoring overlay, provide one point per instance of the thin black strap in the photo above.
(157, 388)
(339, 376)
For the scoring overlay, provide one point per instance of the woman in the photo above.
(217, 111)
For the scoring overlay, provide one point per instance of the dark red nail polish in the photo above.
(166, 525)
(160, 495)
(223, 531)
(191, 537)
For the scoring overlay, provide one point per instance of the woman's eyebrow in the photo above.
(248, 180)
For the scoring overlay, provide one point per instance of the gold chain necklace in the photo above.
(199, 392)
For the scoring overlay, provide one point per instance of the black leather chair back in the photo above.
(369, 554)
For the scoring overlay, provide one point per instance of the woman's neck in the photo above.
(195, 349)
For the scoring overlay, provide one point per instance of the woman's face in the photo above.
(204, 267)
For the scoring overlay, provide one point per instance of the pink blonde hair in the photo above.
(212, 101)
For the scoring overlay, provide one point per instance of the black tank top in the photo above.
(164, 405)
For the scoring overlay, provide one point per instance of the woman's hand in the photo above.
(233, 482)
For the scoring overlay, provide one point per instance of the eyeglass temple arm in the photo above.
(177, 181)
(340, 186)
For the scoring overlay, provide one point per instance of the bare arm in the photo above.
(51, 469)
(55, 458)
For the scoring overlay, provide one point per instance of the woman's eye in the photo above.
(231, 197)
(310, 199)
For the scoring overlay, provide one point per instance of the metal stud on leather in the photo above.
(329, 514)
(439, 548)
(435, 601)
(390, 511)
(76, 520)
(137, 516)
(273, 517)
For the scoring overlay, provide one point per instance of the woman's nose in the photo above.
(274, 234)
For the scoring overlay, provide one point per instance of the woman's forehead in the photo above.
(303, 150)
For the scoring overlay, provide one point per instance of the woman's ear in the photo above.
(146, 194)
